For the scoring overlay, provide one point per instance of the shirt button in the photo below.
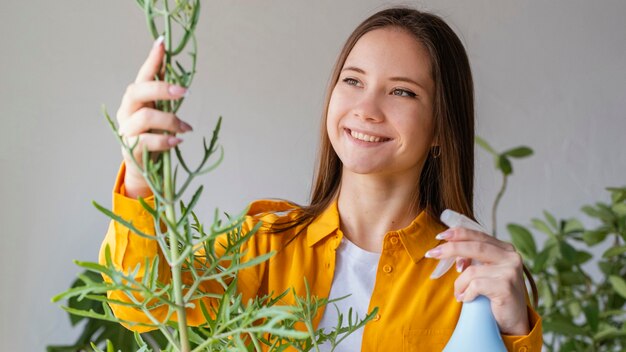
(376, 317)
(394, 240)
(387, 268)
(523, 349)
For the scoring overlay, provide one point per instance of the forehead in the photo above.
(391, 51)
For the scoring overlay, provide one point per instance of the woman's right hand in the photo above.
(137, 116)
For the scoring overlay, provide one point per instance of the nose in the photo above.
(367, 107)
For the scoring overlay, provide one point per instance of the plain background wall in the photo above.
(549, 74)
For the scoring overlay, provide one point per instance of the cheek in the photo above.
(334, 112)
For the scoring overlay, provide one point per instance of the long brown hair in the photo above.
(447, 178)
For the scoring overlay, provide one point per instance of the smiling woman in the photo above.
(396, 150)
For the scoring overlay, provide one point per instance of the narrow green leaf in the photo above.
(619, 209)
(95, 348)
(568, 252)
(152, 211)
(523, 240)
(583, 257)
(120, 220)
(619, 285)
(614, 251)
(612, 312)
(504, 164)
(591, 211)
(573, 226)
(545, 294)
(592, 314)
(594, 237)
(483, 144)
(519, 152)
(605, 212)
(540, 261)
(605, 267)
(574, 308)
(563, 326)
(191, 205)
(618, 195)
(570, 278)
(608, 333)
(551, 220)
(542, 226)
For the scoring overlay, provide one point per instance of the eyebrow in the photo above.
(395, 79)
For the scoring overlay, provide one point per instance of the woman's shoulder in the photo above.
(278, 207)
(274, 214)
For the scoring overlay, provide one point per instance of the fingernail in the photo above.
(158, 41)
(173, 141)
(459, 265)
(443, 235)
(185, 127)
(433, 253)
(459, 297)
(177, 90)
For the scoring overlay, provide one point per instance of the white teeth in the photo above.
(364, 137)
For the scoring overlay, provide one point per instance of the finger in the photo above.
(463, 234)
(478, 286)
(146, 119)
(153, 142)
(461, 264)
(470, 274)
(152, 66)
(139, 94)
(504, 279)
(484, 252)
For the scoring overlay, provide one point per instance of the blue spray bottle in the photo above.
(476, 330)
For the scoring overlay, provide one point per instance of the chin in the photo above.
(362, 169)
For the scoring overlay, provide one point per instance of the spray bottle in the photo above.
(476, 330)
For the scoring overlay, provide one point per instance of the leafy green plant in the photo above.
(202, 253)
(502, 163)
(580, 311)
(98, 331)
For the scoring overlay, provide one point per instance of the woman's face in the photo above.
(380, 115)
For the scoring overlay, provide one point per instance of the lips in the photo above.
(366, 137)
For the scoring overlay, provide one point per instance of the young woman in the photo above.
(396, 150)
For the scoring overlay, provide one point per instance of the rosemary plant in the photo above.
(203, 254)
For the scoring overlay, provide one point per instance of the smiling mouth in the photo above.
(367, 138)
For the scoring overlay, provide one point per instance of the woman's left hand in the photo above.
(500, 277)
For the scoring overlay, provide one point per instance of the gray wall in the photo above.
(550, 74)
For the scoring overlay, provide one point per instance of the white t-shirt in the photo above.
(355, 275)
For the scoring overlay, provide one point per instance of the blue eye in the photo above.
(404, 93)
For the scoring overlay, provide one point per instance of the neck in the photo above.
(370, 206)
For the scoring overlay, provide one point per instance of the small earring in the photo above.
(435, 151)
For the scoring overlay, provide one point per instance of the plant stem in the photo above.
(170, 211)
(495, 205)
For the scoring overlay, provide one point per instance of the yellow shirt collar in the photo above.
(417, 238)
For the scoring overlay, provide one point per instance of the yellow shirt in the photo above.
(415, 313)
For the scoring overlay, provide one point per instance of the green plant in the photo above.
(98, 331)
(502, 163)
(203, 253)
(580, 311)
